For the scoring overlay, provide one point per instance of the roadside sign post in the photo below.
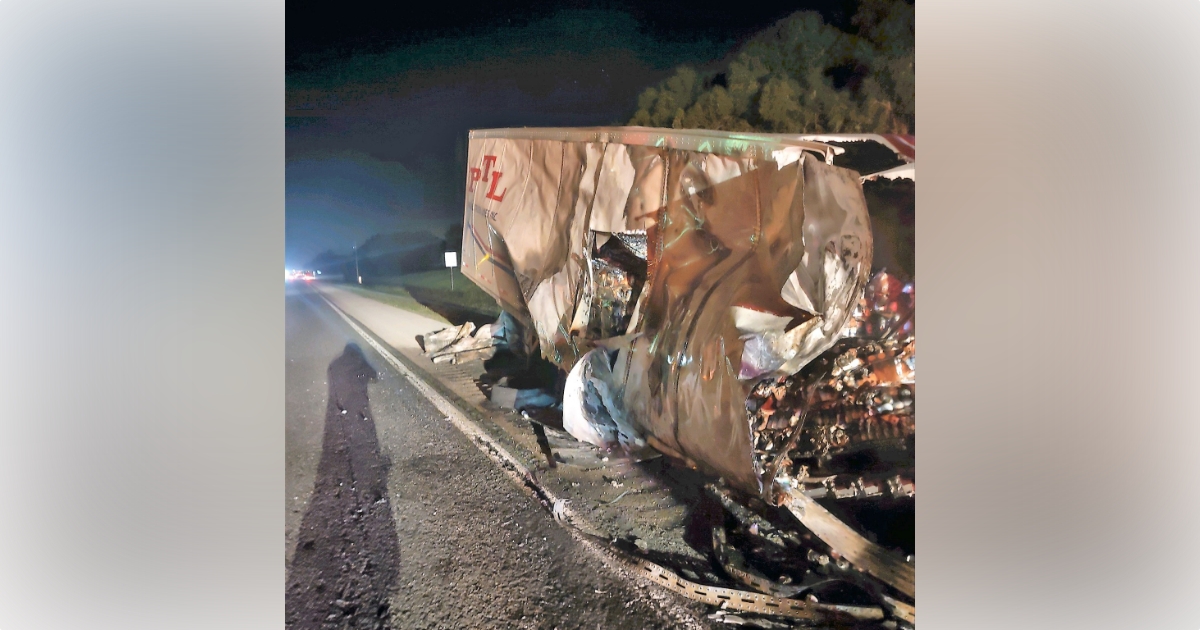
(451, 262)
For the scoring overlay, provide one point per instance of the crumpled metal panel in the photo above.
(526, 217)
(735, 246)
(753, 265)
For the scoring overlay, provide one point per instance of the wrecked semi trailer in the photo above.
(710, 295)
(698, 262)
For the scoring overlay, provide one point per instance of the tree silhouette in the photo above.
(801, 76)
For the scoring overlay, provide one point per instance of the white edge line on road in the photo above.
(517, 472)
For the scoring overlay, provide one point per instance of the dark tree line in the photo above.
(386, 256)
(801, 76)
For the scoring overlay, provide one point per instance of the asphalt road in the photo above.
(395, 520)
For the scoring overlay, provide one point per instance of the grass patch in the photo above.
(395, 296)
(466, 302)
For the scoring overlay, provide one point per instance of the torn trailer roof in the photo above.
(670, 272)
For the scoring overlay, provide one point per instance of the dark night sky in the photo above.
(380, 97)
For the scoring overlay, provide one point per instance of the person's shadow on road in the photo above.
(348, 553)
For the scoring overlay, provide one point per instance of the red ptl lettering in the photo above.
(496, 175)
(486, 174)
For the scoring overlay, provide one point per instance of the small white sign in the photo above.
(451, 259)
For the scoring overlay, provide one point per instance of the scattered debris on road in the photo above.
(520, 399)
(459, 344)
